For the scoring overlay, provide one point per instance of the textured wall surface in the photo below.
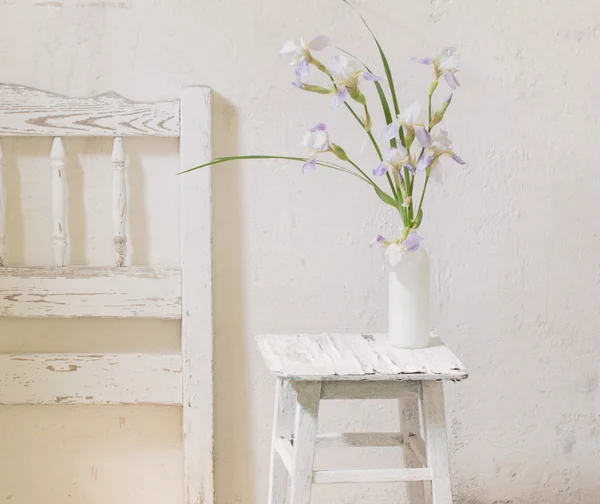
(513, 237)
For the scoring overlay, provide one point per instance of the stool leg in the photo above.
(283, 424)
(308, 395)
(436, 441)
(410, 426)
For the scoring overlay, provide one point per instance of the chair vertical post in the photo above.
(2, 208)
(196, 294)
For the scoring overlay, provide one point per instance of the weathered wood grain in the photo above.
(359, 439)
(90, 379)
(436, 442)
(281, 449)
(355, 357)
(371, 476)
(410, 425)
(417, 446)
(31, 112)
(2, 208)
(371, 389)
(197, 321)
(90, 292)
(285, 451)
(308, 396)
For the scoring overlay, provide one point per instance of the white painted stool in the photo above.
(312, 367)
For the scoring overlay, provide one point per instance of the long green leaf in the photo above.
(385, 197)
(388, 118)
(287, 158)
(382, 97)
(384, 60)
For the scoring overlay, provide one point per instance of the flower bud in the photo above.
(338, 152)
(367, 121)
(318, 64)
(433, 86)
(439, 113)
(409, 137)
(314, 89)
(356, 95)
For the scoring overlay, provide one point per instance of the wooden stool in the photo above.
(312, 367)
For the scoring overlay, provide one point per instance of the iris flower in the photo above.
(440, 145)
(444, 63)
(300, 55)
(413, 119)
(393, 159)
(347, 76)
(317, 139)
(396, 249)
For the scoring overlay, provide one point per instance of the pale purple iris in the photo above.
(423, 61)
(445, 63)
(377, 239)
(458, 159)
(319, 43)
(310, 166)
(393, 157)
(317, 139)
(413, 242)
(340, 98)
(301, 71)
(391, 130)
(347, 74)
(424, 161)
(371, 77)
(410, 168)
(382, 169)
(423, 136)
(451, 80)
(300, 55)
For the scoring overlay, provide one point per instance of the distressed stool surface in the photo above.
(312, 367)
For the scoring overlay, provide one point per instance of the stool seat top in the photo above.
(358, 357)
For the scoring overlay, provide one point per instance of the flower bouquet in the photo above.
(412, 146)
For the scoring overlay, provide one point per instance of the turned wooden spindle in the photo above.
(119, 202)
(59, 235)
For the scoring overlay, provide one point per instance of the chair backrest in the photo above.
(64, 291)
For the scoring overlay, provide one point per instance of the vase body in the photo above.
(409, 301)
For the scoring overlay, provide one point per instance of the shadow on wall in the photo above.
(233, 431)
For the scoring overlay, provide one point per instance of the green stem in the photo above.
(362, 172)
(362, 124)
(323, 69)
(429, 128)
(423, 193)
(374, 142)
(429, 109)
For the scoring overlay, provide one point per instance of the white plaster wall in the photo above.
(513, 237)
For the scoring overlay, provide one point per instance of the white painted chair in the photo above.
(118, 291)
(311, 368)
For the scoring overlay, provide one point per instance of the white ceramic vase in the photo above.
(409, 301)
